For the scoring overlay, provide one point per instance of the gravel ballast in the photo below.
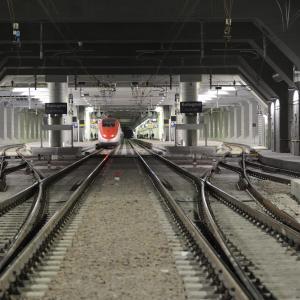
(120, 250)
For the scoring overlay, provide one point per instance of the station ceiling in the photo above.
(128, 97)
(131, 38)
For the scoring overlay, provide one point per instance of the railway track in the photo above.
(268, 169)
(32, 223)
(183, 210)
(7, 167)
(248, 240)
(269, 204)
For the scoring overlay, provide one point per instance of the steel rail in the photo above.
(281, 215)
(267, 168)
(18, 198)
(272, 209)
(240, 283)
(36, 217)
(258, 218)
(37, 174)
(254, 173)
(39, 244)
(3, 165)
(211, 224)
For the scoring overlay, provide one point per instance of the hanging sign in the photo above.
(192, 107)
(56, 108)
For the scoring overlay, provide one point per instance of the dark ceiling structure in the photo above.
(154, 37)
(258, 40)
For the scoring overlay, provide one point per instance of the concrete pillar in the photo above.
(229, 120)
(26, 125)
(167, 116)
(245, 120)
(32, 126)
(15, 123)
(295, 125)
(222, 123)
(58, 91)
(225, 123)
(21, 125)
(216, 124)
(37, 127)
(1, 122)
(9, 122)
(236, 123)
(211, 125)
(80, 114)
(5, 123)
(189, 92)
(277, 125)
(281, 116)
(251, 121)
(272, 126)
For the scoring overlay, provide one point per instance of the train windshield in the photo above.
(108, 122)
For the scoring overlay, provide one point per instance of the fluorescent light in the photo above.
(41, 93)
(228, 88)
(204, 97)
(214, 93)
(211, 93)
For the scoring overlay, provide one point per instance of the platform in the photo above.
(169, 149)
(280, 160)
(79, 147)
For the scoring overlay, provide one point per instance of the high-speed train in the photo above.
(109, 132)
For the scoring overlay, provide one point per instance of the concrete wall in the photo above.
(241, 123)
(19, 125)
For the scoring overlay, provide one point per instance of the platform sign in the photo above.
(173, 118)
(191, 107)
(56, 108)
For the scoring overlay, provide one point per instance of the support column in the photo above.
(10, 123)
(21, 125)
(26, 125)
(245, 120)
(15, 121)
(225, 123)
(229, 120)
(32, 125)
(1, 122)
(235, 122)
(5, 124)
(211, 125)
(80, 114)
(189, 92)
(295, 125)
(277, 125)
(58, 90)
(272, 126)
(222, 123)
(251, 122)
(281, 119)
(216, 125)
(167, 116)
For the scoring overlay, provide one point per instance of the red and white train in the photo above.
(109, 132)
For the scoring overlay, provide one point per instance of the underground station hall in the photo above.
(149, 150)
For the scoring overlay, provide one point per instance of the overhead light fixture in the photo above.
(228, 88)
